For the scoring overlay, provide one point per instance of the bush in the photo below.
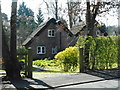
(67, 59)
(22, 50)
(44, 63)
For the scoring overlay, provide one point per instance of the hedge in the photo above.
(103, 51)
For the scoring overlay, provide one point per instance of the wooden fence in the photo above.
(28, 63)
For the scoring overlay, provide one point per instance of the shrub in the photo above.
(22, 50)
(67, 59)
(44, 63)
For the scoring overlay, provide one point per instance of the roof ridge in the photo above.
(37, 30)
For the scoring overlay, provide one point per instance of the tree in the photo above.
(4, 53)
(0, 33)
(74, 10)
(9, 54)
(53, 8)
(26, 16)
(24, 11)
(25, 23)
(94, 9)
(13, 52)
(98, 9)
(90, 17)
(39, 17)
(6, 26)
(56, 9)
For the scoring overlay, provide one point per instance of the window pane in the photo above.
(49, 33)
(43, 49)
(39, 50)
(52, 32)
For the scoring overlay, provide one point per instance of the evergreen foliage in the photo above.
(39, 17)
(25, 23)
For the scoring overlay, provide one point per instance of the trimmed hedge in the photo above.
(103, 51)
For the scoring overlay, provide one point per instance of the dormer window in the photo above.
(51, 33)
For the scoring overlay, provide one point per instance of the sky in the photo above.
(35, 4)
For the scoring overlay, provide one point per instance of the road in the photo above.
(100, 84)
(66, 80)
(82, 80)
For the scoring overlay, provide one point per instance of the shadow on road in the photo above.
(26, 84)
(106, 74)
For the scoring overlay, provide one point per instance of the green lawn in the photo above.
(2, 70)
(55, 69)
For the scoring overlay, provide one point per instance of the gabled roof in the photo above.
(77, 28)
(40, 27)
(81, 27)
(65, 28)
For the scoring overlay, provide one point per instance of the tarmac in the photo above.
(64, 80)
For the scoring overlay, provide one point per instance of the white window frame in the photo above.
(54, 50)
(41, 51)
(50, 33)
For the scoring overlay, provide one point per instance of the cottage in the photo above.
(53, 36)
(48, 39)
(81, 30)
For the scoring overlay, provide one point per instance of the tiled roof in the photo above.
(77, 28)
(34, 33)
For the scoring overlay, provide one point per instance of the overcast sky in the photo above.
(35, 4)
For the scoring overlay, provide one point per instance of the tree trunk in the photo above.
(93, 63)
(4, 50)
(70, 14)
(56, 9)
(88, 16)
(90, 22)
(0, 33)
(6, 57)
(13, 52)
(119, 55)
